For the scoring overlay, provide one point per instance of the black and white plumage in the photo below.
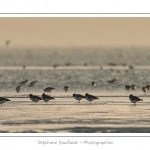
(128, 87)
(66, 88)
(78, 97)
(35, 98)
(90, 97)
(47, 98)
(134, 99)
(133, 87)
(3, 100)
(24, 82)
(93, 83)
(49, 89)
(19, 88)
(112, 81)
(32, 83)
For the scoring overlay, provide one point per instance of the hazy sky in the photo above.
(70, 32)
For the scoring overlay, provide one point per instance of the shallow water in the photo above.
(67, 115)
(113, 112)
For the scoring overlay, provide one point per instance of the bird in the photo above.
(55, 65)
(24, 82)
(127, 87)
(46, 98)
(93, 83)
(145, 89)
(24, 67)
(66, 88)
(49, 89)
(148, 87)
(133, 87)
(101, 67)
(131, 67)
(3, 100)
(134, 99)
(90, 97)
(32, 83)
(112, 81)
(19, 88)
(35, 98)
(78, 97)
(7, 42)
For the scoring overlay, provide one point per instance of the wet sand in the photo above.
(113, 112)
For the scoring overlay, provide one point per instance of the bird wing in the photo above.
(134, 97)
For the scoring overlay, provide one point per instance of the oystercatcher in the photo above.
(46, 98)
(3, 100)
(18, 88)
(35, 98)
(134, 99)
(32, 83)
(49, 89)
(78, 97)
(90, 97)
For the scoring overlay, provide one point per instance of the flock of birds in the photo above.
(46, 98)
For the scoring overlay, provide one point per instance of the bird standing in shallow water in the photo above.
(93, 83)
(90, 97)
(134, 99)
(18, 88)
(3, 100)
(24, 82)
(78, 97)
(148, 87)
(112, 81)
(49, 89)
(133, 87)
(128, 87)
(145, 89)
(46, 98)
(32, 83)
(66, 88)
(35, 98)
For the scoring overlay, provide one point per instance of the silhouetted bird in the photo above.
(90, 97)
(49, 89)
(112, 81)
(35, 98)
(134, 99)
(66, 88)
(127, 87)
(78, 97)
(18, 88)
(46, 98)
(7, 42)
(32, 83)
(3, 100)
(24, 82)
